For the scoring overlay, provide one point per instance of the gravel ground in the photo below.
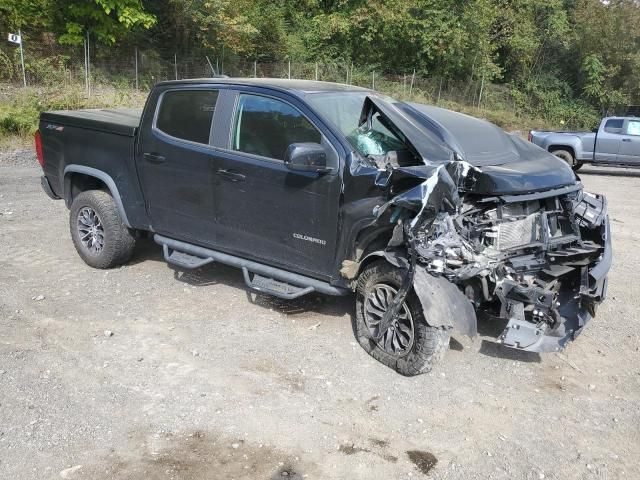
(145, 372)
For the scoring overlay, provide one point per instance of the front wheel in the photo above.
(568, 157)
(410, 345)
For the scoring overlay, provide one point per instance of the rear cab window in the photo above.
(187, 114)
(614, 125)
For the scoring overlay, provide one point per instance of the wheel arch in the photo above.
(79, 178)
(370, 258)
(367, 245)
(568, 148)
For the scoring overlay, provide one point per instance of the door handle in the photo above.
(626, 139)
(231, 175)
(153, 157)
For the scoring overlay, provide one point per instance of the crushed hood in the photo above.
(503, 163)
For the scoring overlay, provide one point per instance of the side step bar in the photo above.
(274, 287)
(266, 279)
(184, 260)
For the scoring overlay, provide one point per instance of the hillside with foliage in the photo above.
(563, 61)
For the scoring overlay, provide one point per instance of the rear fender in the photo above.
(564, 142)
(100, 175)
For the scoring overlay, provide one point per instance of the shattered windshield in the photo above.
(343, 110)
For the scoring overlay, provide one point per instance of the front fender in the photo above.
(443, 304)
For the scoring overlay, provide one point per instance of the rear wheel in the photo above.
(101, 238)
(568, 157)
(410, 345)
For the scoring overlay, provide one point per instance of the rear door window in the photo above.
(266, 126)
(187, 114)
(614, 125)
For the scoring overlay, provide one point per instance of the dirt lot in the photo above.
(145, 372)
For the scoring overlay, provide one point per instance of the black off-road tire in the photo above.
(429, 343)
(118, 241)
(568, 157)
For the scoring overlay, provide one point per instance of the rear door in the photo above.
(176, 163)
(264, 210)
(608, 141)
(629, 151)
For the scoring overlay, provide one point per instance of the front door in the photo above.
(264, 210)
(176, 164)
(629, 151)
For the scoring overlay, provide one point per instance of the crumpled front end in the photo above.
(538, 261)
(518, 240)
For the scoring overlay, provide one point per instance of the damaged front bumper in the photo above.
(576, 311)
(538, 261)
(518, 240)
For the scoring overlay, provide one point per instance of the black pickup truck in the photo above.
(430, 216)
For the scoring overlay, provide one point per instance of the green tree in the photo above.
(607, 50)
(16, 14)
(106, 20)
(597, 83)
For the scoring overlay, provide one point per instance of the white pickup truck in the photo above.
(615, 142)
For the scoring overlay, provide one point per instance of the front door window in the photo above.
(266, 127)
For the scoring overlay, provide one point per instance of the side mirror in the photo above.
(306, 157)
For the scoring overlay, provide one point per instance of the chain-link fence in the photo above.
(48, 63)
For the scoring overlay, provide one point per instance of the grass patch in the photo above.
(20, 107)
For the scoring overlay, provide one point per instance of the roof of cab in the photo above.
(291, 85)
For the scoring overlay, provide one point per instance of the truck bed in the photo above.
(121, 121)
(84, 142)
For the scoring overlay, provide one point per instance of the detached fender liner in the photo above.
(443, 304)
(251, 266)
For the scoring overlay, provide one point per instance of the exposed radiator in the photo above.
(519, 233)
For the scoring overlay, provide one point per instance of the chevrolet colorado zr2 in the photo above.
(432, 217)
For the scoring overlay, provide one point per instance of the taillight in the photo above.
(529, 137)
(38, 139)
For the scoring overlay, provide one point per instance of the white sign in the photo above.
(15, 38)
